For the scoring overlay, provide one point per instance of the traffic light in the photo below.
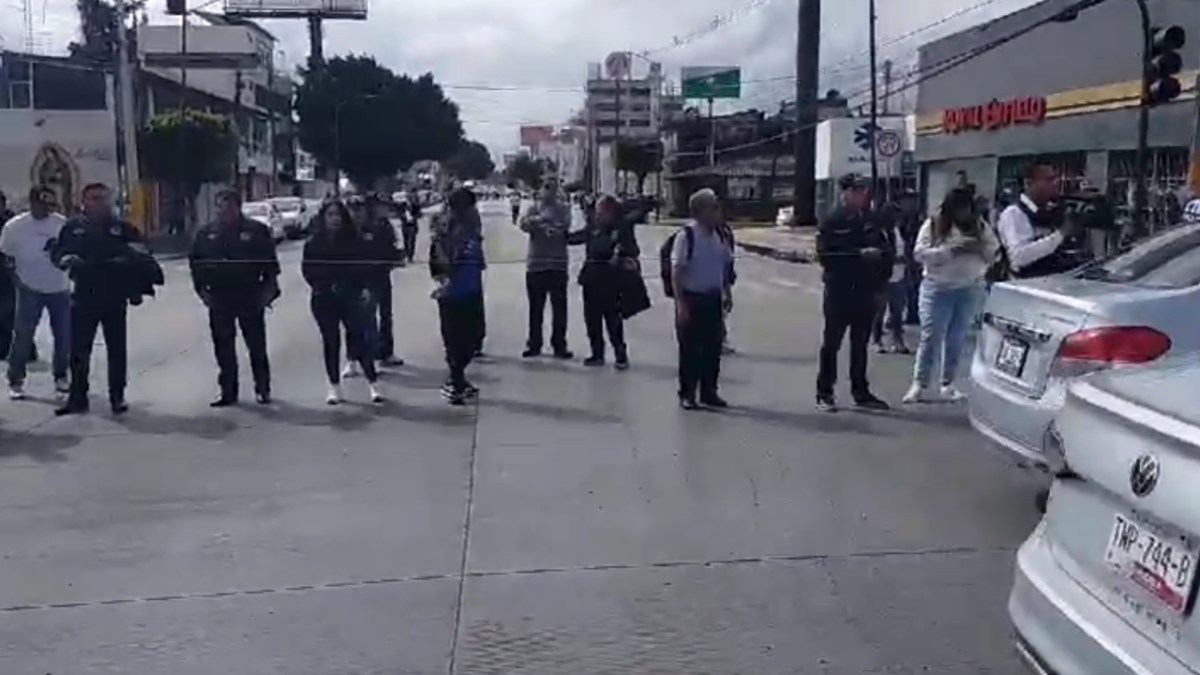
(1163, 65)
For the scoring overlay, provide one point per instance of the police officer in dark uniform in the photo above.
(97, 249)
(856, 257)
(235, 272)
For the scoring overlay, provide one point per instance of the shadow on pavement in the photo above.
(142, 420)
(356, 416)
(423, 377)
(561, 413)
(841, 422)
(772, 359)
(37, 447)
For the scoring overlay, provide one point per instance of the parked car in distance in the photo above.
(293, 212)
(267, 214)
(785, 217)
(1038, 335)
(1107, 581)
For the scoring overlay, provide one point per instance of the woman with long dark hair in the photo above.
(610, 246)
(456, 263)
(336, 264)
(956, 247)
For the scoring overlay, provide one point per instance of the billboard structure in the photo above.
(291, 9)
(534, 135)
(710, 82)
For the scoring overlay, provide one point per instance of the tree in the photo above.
(471, 162)
(98, 31)
(526, 169)
(186, 150)
(639, 158)
(359, 116)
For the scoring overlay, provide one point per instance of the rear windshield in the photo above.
(256, 210)
(1170, 259)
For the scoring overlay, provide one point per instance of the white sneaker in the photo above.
(917, 394)
(376, 394)
(16, 392)
(334, 396)
(62, 385)
(952, 393)
(351, 370)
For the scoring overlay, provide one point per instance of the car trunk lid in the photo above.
(1125, 518)
(1024, 324)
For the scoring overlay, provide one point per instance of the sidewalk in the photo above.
(784, 243)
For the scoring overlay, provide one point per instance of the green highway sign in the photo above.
(707, 82)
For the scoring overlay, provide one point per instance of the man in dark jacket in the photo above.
(97, 249)
(610, 245)
(379, 237)
(856, 258)
(234, 271)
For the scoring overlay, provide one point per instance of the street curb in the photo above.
(786, 255)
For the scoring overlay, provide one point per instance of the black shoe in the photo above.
(223, 402)
(871, 402)
(531, 353)
(564, 354)
(713, 401)
(457, 398)
(391, 361)
(622, 363)
(826, 403)
(73, 408)
(593, 361)
(263, 398)
(688, 403)
(470, 391)
(118, 405)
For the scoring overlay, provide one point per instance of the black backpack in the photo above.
(664, 256)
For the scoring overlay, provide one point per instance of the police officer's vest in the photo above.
(1045, 222)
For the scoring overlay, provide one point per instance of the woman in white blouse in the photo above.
(955, 247)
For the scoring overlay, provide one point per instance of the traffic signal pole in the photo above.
(1141, 155)
(804, 132)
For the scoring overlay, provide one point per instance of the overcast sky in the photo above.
(541, 48)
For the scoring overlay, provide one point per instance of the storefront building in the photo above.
(1066, 92)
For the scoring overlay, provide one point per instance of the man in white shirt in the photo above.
(1030, 236)
(41, 286)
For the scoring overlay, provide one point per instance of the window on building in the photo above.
(1168, 172)
(58, 87)
(639, 123)
(19, 92)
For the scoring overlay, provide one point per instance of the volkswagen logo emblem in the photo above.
(1143, 477)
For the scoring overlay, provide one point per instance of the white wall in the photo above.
(838, 154)
(87, 140)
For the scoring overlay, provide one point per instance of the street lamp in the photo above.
(337, 135)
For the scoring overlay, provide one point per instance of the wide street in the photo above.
(574, 522)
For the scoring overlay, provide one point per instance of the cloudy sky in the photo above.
(534, 53)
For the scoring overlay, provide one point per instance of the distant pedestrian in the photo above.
(856, 261)
(514, 203)
(956, 248)
(547, 226)
(895, 218)
(409, 217)
(379, 235)
(235, 274)
(701, 261)
(609, 245)
(335, 265)
(456, 263)
(41, 286)
(98, 249)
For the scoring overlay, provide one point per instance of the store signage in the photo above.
(995, 115)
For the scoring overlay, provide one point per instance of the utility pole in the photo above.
(808, 60)
(874, 135)
(125, 112)
(316, 41)
(887, 87)
(617, 135)
(237, 132)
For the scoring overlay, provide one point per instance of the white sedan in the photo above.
(267, 214)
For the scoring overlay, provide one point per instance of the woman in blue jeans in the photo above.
(955, 249)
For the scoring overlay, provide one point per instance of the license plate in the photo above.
(1162, 565)
(1011, 357)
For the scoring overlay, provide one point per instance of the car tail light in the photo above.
(1095, 349)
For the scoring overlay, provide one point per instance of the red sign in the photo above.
(995, 115)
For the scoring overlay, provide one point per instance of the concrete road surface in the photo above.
(576, 522)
